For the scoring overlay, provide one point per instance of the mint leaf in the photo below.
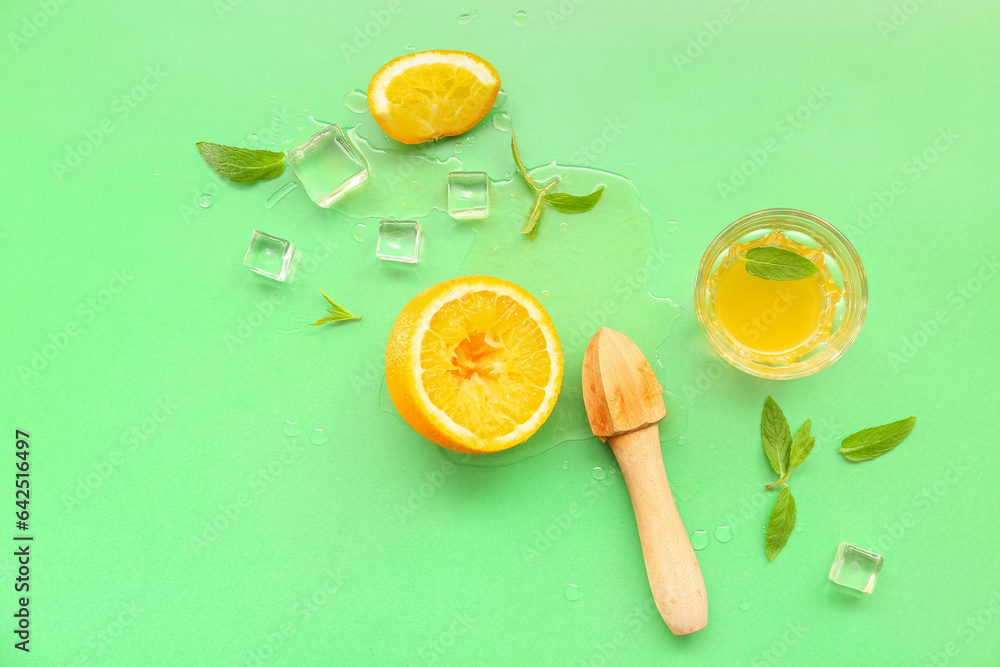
(568, 203)
(782, 521)
(776, 437)
(520, 165)
(337, 312)
(772, 263)
(802, 444)
(242, 165)
(876, 441)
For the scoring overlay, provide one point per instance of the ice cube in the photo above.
(855, 567)
(398, 241)
(269, 255)
(468, 195)
(328, 165)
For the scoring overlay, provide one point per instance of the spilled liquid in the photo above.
(588, 270)
(356, 101)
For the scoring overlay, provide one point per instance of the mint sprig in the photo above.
(337, 312)
(784, 453)
(873, 442)
(772, 263)
(242, 165)
(561, 201)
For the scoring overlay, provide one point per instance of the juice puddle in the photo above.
(588, 270)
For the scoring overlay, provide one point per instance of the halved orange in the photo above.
(432, 94)
(474, 364)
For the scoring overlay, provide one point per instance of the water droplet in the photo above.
(501, 121)
(507, 175)
(685, 488)
(682, 441)
(359, 232)
(572, 592)
(723, 534)
(250, 141)
(410, 48)
(563, 225)
(356, 101)
(598, 473)
(672, 226)
(318, 437)
(279, 194)
(463, 19)
(291, 429)
(501, 98)
(565, 465)
(699, 539)
(545, 292)
(612, 470)
(520, 18)
(205, 200)
(744, 606)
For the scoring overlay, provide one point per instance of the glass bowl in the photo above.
(843, 263)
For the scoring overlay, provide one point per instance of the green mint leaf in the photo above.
(337, 312)
(802, 444)
(776, 437)
(242, 165)
(536, 215)
(778, 264)
(876, 441)
(567, 203)
(520, 165)
(782, 521)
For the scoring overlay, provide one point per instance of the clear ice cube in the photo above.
(398, 241)
(468, 195)
(855, 567)
(269, 255)
(328, 165)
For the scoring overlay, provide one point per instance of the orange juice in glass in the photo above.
(788, 327)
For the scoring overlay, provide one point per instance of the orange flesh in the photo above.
(484, 362)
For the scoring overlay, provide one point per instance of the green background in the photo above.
(174, 521)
